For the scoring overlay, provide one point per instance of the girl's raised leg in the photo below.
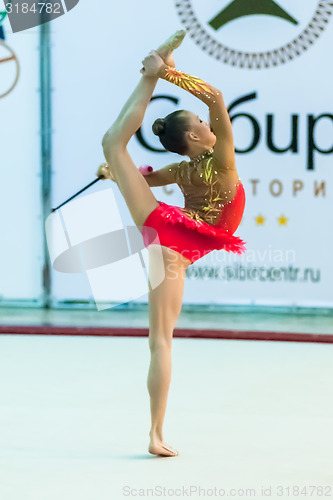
(131, 183)
(134, 188)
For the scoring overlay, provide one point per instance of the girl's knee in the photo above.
(159, 341)
(112, 141)
(162, 321)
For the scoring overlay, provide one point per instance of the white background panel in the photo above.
(96, 57)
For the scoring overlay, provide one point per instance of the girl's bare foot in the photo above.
(173, 42)
(157, 446)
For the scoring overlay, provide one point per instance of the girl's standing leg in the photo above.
(165, 303)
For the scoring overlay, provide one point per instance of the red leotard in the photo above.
(195, 230)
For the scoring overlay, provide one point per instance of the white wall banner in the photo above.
(20, 192)
(271, 60)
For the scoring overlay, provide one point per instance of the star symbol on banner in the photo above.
(282, 220)
(260, 220)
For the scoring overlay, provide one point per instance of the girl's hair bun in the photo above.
(159, 126)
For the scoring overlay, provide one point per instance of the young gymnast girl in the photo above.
(214, 204)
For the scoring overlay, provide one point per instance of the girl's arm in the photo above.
(163, 176)
(224, 150)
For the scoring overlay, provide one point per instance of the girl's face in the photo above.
(202, 129)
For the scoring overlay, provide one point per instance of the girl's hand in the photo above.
(153, 65)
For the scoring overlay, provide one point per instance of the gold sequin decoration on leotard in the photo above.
(213, 208)
(187, 82)
(214, 198)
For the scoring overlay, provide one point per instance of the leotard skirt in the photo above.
(191, 238)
